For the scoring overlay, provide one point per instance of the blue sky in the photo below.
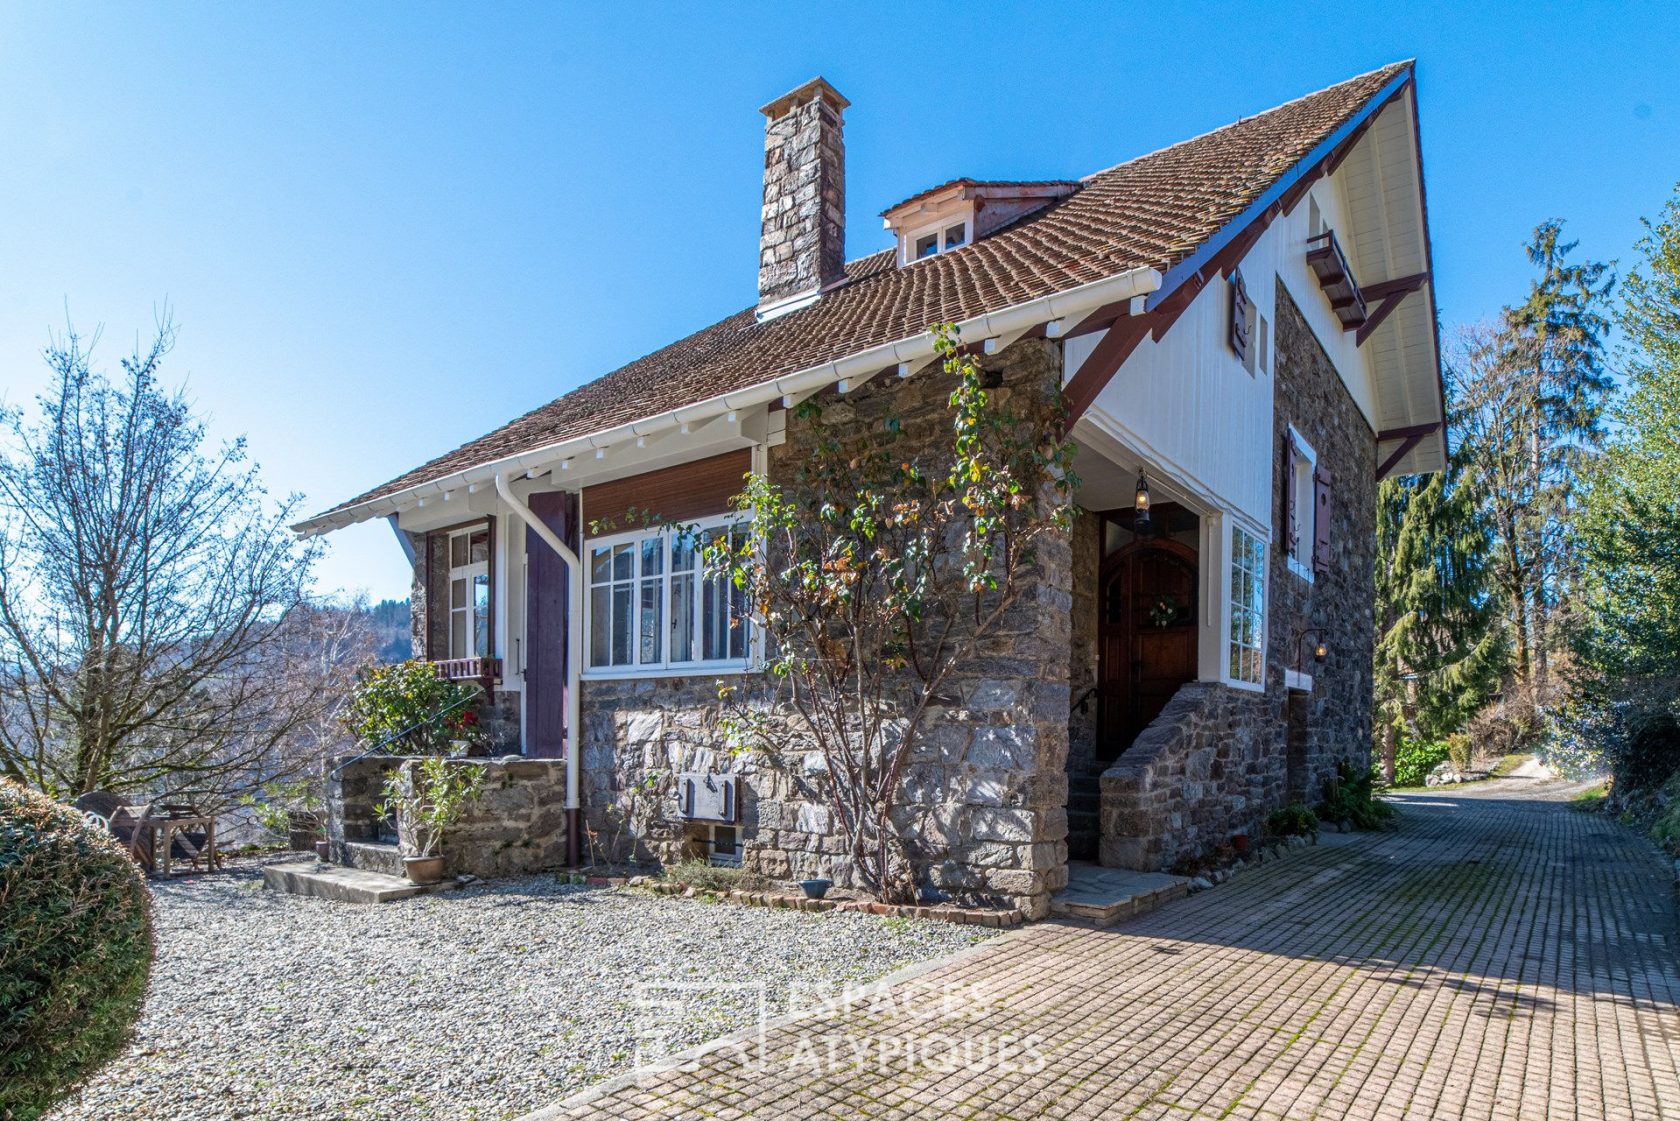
(386, 229)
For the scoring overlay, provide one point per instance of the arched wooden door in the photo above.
(1146, 637)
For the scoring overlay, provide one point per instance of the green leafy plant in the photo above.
(427, 797)
(1414, 759)
(281, 805)
(75, 950)
(879, 565)
(1351, 796)
(409, 697)
(1293, 820)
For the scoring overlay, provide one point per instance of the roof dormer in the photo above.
(954, 214)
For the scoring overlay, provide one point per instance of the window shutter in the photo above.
(491, 650)
(437, 596)
(1321, 520)
(1239, 317)
(1290, 545)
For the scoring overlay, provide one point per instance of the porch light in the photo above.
(1140, 521)
(1320, 650)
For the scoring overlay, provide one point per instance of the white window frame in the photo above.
(710, 840)
(1306, 508)
(907, 248)
(470, 572)
(1231, 612)
(665, 667)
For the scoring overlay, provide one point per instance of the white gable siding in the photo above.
(1187, 405)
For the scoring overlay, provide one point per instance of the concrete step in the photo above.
(374, 856)
(1109, 895)
(343, 885)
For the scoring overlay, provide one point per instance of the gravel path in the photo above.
(482, 1003)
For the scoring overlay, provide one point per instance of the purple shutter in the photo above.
(491, 648)
(546, 605)
(1239, 317)
(1289, 499)
(1321, 520)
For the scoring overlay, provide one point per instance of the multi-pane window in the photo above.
(942, 240)
(469, 593)
(652, 606)
(1248, 607)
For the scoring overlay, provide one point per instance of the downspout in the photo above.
(574, 657)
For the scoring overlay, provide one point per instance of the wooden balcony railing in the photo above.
(1335, 276)
(483, 670)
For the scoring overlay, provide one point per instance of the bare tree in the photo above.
(149, 591)
(882, 565)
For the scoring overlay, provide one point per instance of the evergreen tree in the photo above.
(1441, 644)
(1533, 392)
(1630, 522)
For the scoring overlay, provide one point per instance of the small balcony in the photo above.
(485, 671)
(1335, 277)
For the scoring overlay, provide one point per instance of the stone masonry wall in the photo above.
(803, 241)
(1219, 759)
(1334, 722)
(1082, 647)
(1211, 765)
(989, 789)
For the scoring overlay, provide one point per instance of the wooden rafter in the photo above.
(1410, 437)
(1388, 296)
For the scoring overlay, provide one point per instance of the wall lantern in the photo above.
(1319, 650)
(1140, 520)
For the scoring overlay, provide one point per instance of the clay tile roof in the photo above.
(1150, 211)
(1019, 184)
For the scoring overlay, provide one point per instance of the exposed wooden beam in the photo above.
(1126, 332)
(1408, 431)
(1388, 295)
(1399, 453)
(1123, 337)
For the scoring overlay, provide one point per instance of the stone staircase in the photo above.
(373, 856)
(342, 884)
(1109, 895)
(1084, 812)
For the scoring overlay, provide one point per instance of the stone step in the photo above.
(373, 856)
(344, 885)
(1109, 895)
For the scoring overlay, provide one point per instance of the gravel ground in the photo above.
(482, 1003)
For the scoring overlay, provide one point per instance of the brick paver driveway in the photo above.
(1501, 956)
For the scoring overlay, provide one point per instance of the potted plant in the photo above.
(428, 797)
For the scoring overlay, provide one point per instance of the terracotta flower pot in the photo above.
(424, 869)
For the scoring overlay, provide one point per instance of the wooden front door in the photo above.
(1146, 637)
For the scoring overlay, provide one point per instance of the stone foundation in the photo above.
(518, 826)
(1211, 765)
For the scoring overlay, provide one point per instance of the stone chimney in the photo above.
(802, 249)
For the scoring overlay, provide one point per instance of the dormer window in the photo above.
(937, 240)
(964, 210)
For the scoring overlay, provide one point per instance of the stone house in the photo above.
(1242, 329)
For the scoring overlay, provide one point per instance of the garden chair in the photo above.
(128, 823)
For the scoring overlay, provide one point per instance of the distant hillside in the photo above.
(393, 642)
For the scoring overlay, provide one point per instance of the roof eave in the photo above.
(1071, 305)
